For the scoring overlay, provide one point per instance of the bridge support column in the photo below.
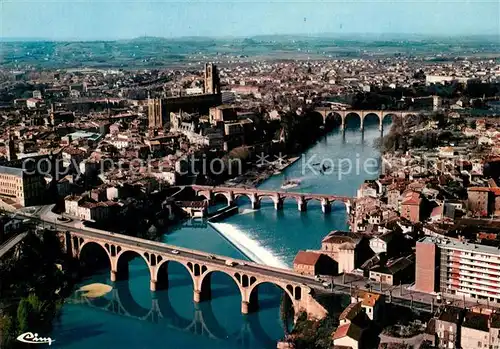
(362, 126)
(255, 202)
(244, 307)
(302, 205)
(326, 207)
(348, 207)
(230, 199)
(113, 276)
(197, 296)
(278, 204)
(152, 285)
(381, 128)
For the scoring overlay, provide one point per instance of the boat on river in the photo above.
(288, 184)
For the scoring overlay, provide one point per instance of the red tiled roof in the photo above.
(478, 189)
(306, 258)
(411, 198)
(348, 330)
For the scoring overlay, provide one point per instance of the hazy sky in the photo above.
(113, 19)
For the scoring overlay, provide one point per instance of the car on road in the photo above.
(327, 284)
(175, 252)
(211, 256)
(230, 262)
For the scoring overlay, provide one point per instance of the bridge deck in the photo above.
(11, 243)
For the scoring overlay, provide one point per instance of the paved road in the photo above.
(11, 243)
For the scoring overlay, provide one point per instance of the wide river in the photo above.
(131, 316)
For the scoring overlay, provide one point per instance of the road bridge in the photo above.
(9, 244)
(278, 197)
(330, 114)
(120, 249)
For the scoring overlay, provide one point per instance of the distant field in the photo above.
(158, 52)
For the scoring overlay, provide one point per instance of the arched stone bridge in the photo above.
(278, 197)
(327, 113)
(120, 249)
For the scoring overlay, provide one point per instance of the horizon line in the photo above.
(250, 36)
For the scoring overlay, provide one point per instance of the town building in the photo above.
(348, 249)
(475, 331)
(478, 200)
(313, 263)
(21, 187)
(447, 327)
(411, 206)
(458, 268)
(155, 113)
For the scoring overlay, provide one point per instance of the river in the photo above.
(133, 317)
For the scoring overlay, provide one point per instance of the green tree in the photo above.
(23, 316)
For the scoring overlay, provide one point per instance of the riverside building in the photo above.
(458, 268)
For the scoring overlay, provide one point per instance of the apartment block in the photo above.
(458, 268)
(21, 187)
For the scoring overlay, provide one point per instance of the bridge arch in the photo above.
(333, 119)
(224, 194)
(205, 284)
(161, 273)
(94, 254)
(352, 115)
(203, 193)
(253, 293)
(392, 116)
(316, 118)
(372, 116)
(243, 195)
(123, 260)
(268, 196)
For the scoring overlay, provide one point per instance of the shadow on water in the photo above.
(203, 322)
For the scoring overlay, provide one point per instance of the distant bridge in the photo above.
(278, 197)
(328, 113)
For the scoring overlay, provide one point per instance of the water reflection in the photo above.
(203, 321)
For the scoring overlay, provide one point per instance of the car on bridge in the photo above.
(230, 263)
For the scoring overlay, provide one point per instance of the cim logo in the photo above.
(33, 338)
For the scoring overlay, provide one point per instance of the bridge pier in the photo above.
(244, 307)
(326, 207)
(278, 204)
(197, 296)
(255, 205)
(348, 207)
(302, 205)
(112, 276)
(152, 285)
